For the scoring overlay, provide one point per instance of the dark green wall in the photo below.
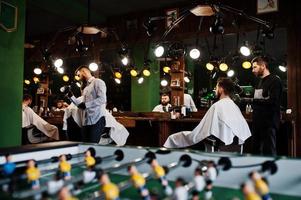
(11, 81)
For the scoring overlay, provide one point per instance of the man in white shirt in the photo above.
(164, 106)
(189, 103)
(223, 120)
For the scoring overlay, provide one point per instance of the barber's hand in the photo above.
(82, 105)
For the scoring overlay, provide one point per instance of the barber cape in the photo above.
(223, 120)
(29, 117)
(118, 133)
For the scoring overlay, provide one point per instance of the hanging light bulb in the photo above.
(159, 51)
(125, 60)
(118, 74)
(36, 79)
(164, 82)
(245, 50)
(282, 68)
(78, 84)
(65, 78)
(133, 72)
(246, 65)
(93, 66)
(60, 70)
(209, 66)
(58, 63)
(186, 79)
(230, 73)
(166, 69)
(117, 80)
(146, 72)
(37, 70)
(223, 67)
(76, 78)
(140, 80)
(194, 53)
(27, 82)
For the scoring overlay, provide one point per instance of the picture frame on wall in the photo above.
(266, 6)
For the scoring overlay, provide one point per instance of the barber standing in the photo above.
(266, 108)
(93, 105)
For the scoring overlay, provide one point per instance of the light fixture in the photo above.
(204, 10)
(246, 65)
(223, 66)
(164, 82)
(209, 66)
(60, 70)
(78, 84)
(37, 70)
(27, 82)
(58, 63)
(282, 67)
(118, 74)
(146, 71)
(117, 80)
(230, 73)
(76, 78)
(186, 79)
(194, 53)
(125, 60)
(217, 27)
(166, 69)
(65, 78)
(140, 80)
(159, 51)
(245, 50)
(93, 66)
(134, 72)
(36, 79)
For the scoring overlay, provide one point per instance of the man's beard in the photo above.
(164, 103)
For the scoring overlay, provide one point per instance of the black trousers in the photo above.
(264, 140)
(92, 133)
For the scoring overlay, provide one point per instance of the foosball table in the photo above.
(66, 170)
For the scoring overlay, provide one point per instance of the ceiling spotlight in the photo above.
(164, 82)
(140, 80)
(282, 68)
(37, 70)
(76, 77)
(93, 66)
(209, 66)
(36, 79)
(134, 72)
(194, 53)
(186, 79)
(78, 84)
(125, 60)
(159, 51)
(117, 80)
(27, 82)
(246, 65)
(223, 67)
(146, 71)
(58, 63)
(60, 70)
(245, 50)
(217, 27)
(230, 73)
(166, 69)
(65, 78)
(118, 74)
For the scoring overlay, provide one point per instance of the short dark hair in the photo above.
(27, 97)
(81, 67)
(260, 60)
(227, 84)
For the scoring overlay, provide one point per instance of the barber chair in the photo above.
(31, 135)
(213, 144)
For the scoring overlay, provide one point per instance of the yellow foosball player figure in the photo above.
(139, 182)
(64, 194)
(159, 172)
(65, 167)
(110, 190)
(260, 185)
(33, 174)
(249, 192)
(89, 160)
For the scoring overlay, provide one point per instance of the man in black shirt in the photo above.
(266, 108)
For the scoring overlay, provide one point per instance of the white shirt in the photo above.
(189, 103)
(223, 120)
(159, 108)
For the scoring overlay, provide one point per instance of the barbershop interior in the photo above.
(164, 99)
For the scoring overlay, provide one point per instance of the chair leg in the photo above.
(241, 149)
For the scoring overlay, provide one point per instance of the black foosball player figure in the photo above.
(65, 167)
(8, 171)
(160, 174)
(249, 192)
(139, 182)
(110, 190)
(180, 192)
(261, 185)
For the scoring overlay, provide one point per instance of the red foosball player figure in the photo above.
(65, 167)
(33, 174)
(260, 185)
(90, 160)
(110, 190)
(139, 182)
(160, 174)
(249, 192)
